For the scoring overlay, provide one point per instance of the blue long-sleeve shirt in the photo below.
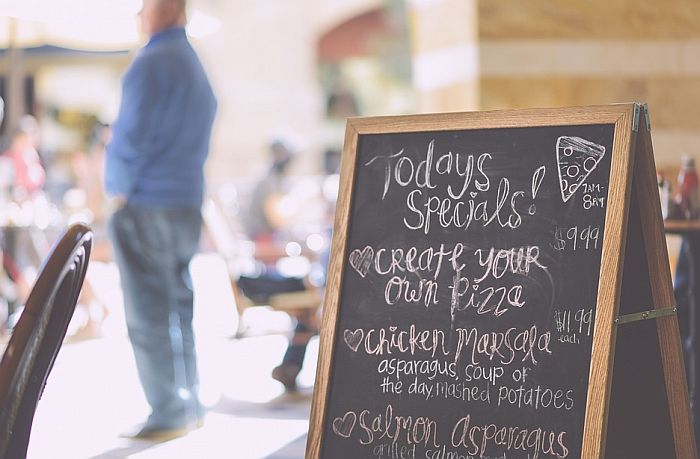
(161, 137)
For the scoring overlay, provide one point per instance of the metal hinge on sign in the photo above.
(651, 314)
(635, 118)
(646, 116)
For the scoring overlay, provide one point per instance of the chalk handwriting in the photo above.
(484, 299)
(410, 430)
(498, 347)
(398, 368)
(399, 289)
(515, 260)
(536, 397)
(450, 390)
(590, 201)
(571, 333)
(414, 274)
(464, 203)
(504, 347)
(425, 210)
(401, 170)
(478, 438)
(575, 238)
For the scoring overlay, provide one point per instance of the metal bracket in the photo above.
(652, 314)
(647, 118)
(635, 118)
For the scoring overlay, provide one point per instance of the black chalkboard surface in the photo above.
(465, 294)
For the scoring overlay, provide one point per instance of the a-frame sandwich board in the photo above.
(637, 401)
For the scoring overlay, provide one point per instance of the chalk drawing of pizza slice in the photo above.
(576, 158)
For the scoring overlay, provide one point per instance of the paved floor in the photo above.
(92, 395)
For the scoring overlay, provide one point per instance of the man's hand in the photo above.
(114, 203)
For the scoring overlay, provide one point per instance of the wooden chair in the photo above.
(225, 242)
(38, 336)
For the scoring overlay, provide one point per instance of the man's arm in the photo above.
(131, 143)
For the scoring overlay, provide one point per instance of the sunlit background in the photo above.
(278, 68)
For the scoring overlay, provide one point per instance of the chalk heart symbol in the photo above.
(343, 426)
(353, 338)
(361, 260)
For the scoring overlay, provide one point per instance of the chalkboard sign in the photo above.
(474, 286)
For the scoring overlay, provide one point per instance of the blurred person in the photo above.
(266, 222)
(28, 173)
(340, 105)
(306, 327)
(24, 243)
(154, 174)
(265, 215)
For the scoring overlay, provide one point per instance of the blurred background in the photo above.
(286, 74)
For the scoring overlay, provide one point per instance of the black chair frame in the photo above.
(38, 336)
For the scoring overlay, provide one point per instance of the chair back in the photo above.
(37, 337)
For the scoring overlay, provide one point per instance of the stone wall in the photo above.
(539, 53)
(263, 66)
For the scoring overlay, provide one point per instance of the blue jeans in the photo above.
(153, 248)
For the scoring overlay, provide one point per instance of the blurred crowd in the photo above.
(139, 184)
(273, 230)
(35, 206)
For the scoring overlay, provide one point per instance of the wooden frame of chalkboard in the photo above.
(636, 405)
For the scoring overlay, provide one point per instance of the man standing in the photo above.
(154, 175)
